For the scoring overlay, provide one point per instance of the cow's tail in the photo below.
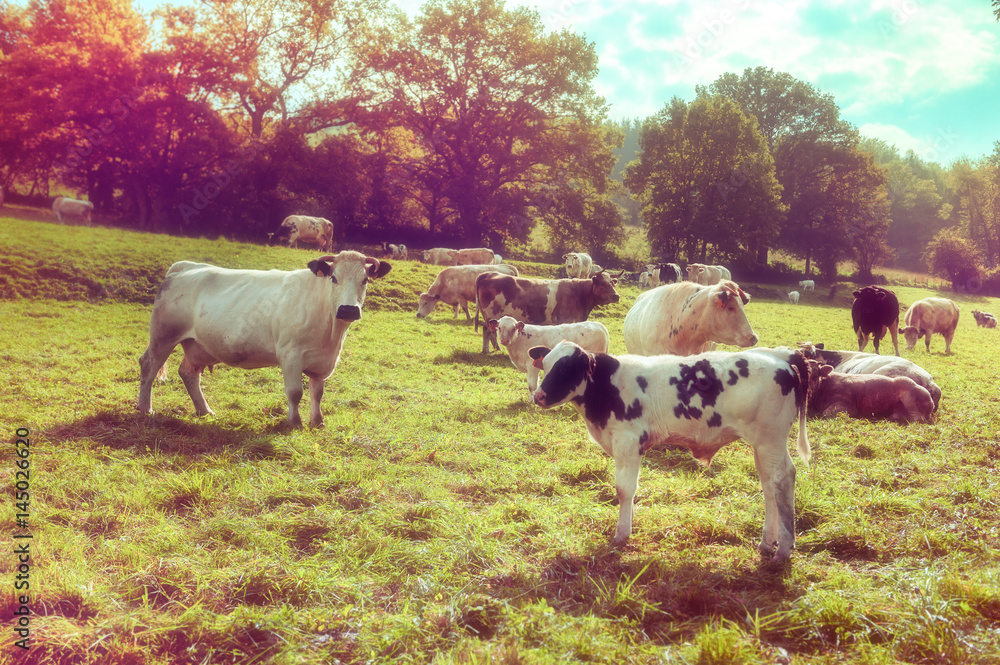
(801, 369)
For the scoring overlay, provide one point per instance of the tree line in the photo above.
(470, 123)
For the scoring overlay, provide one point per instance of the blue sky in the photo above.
(920, 74)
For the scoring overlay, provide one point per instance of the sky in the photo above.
(919, 74)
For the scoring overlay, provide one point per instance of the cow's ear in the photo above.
(377, 268)
(722, 298)
(825, 370)
(493, 324)
(819, 346)
(538, 352)
(520, 326)
(320, 268)
(857, 293)
(743, 296)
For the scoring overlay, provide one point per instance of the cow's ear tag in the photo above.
(538, 362)
(320, 268)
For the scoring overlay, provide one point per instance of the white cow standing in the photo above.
(578, 265)
(308, 229)
(518, 337)
(686, 318)
(807, 285)
(793, 296)
(297, 320)
(64, 207)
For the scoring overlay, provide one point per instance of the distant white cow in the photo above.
(441, 256)
(644, 280)
(807, 285)
(64, 207)
(297, 320)
(307, 229)
(578, 265)
(700, 273)
(793, 296)
(497, 259)
(397, 252)
(478, 256)
(517, 337)
(456, 286)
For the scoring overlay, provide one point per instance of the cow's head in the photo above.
(426, 304)
(567, 369)
(508, 327)
(603, 288)
(349, 273)
(727, 318)
(694, 270)
(818, 371)
(912, 334)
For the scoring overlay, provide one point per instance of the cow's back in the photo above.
(656, 317)
(932, 314)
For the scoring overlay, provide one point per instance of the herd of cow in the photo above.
(673, 387)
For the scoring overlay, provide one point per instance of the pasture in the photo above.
(439, 517)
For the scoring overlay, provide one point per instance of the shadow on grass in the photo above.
(161, 434)
(661, 594)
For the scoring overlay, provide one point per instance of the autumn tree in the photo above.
(706, 180)
(490, 96)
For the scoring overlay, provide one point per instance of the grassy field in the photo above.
(439, 517)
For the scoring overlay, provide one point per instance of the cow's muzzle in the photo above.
(538, 397)
(349, 313)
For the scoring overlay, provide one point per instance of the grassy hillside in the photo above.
(441, 518)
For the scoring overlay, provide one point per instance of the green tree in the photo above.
(706, 180)
(494, 101)
(953, 256)
(977, 191)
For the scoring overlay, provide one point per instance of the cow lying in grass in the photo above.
(871, 396)
(518, 337)
(703, 402)
(855, 362)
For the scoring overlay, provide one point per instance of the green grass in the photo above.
(439, 517)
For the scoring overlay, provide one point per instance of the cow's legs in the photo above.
(894, 331)
(465, 308)
(150, 364)
(489, 336)
(316, 387)
(292, 374)
(777, 479)
(627, 460)
(191, 375)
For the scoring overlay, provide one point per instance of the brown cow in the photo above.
(871, 396)
(540, 301)
(928, 316)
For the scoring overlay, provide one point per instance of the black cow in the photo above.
(875, 311)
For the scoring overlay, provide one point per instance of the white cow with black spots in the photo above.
(519, 337)
(703, 402)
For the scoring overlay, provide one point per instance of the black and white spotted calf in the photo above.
(703, 402)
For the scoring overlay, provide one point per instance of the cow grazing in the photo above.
(685, 318)
(984, 319)
(577, 265)
(518, 337)
(477, 256)
(540, 301)
(441, 256)
(700, 273)
(252, 318)
(456, 286)
(928, 316)
(633, 403)
(793, 297)
(855, 362)
(807, 285)
(296, 228)
(871, 396)
(875, 311)
(64, 207)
